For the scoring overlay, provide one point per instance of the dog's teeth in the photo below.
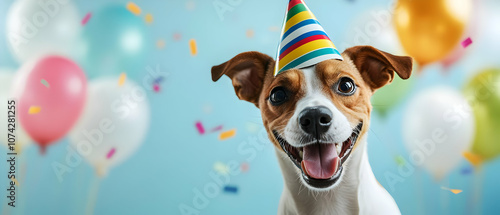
(339, 147)
(301, 153)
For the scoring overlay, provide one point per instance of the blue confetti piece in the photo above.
(467, 170)
(158, 80)
(230, 189)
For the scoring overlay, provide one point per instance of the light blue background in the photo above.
(175, 159)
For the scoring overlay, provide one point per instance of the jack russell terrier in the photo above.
(317, 118)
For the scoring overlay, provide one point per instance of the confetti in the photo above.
(148, 18)
(227, 134)
(111, 153)
(252, 127)
(160, 44)
(466, 42)
(156, 88)
(454, 191)
(122, 79)
(230, 189)
(86, 18)
(200, 128)
(192, 47)
(15, 181)
(158, 80)
(218, 128)
(221, 168)
(244, 167)
(190, 5)
(472, 158)
(274, 29)
(44, 82)
(250, 33)
(34, 110)
(177, 36)
(133, 8)
(399, 160)
(466, 170)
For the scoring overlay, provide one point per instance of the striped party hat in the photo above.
(304, 42)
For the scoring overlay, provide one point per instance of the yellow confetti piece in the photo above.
(192, 47)
(221, 168)
(454, 191)
(133, 8)
(148, 18)
(227, 134)
(160, 44)
(15, 181)
(122, 79)
(473, 158)
(274, 28)
(34, 110)
(250, 33)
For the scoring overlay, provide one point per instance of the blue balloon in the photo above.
(114, 41)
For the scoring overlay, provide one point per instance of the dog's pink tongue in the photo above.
(320, 161)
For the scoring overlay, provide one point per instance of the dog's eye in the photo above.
(278, 96)
(346, 86)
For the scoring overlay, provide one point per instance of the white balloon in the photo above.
(438, 126)
(22, 138)
(114, 123)
(36, 28)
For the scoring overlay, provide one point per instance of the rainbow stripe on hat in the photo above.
(304, 42)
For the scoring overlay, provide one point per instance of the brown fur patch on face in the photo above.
(275, 118)
(357, 107)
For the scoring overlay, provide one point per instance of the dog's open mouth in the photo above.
(320, 163)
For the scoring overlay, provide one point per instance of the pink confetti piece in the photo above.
(200, 128)
(156, 88)
(244, 167)
(111, 153)
(466, 42)
(218, 128)
(86, 18)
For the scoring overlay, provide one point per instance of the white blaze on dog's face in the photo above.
(315, 115)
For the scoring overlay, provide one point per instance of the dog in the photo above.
(317, 118)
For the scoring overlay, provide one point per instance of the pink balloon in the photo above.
(51, 99)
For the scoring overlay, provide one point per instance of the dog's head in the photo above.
(315, 115)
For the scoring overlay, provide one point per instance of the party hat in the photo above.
(303, 42)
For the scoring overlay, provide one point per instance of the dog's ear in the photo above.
(377, 67)
(247, 71)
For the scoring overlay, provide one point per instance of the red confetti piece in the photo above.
(156, 88)
(218, 128)
(200, 128)
(244, 167)
(111, 153)
(86, 18)
(466, 42)
(177, 36)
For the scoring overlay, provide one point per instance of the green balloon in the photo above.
(390, 95)
(483, 93)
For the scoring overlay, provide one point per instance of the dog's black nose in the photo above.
(315, 120)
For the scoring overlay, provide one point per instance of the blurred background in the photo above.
(116, 111)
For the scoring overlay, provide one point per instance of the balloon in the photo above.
(484, 94)
(114, 123)
(438, 127)
(471, 31)
(22, 138)
(114, 41)
(37, 28)
(390, 95)
(52, 94)
(430, 29)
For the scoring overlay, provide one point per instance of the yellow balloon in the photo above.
(430, 29)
